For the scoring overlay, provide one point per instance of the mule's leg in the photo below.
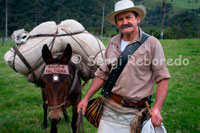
(44, 97)
(45, 115)
(53, 127)
(74, 118)
(67, 119)
(66, 116)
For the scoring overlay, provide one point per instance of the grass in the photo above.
(176, 4)
(182, 107)
(21, 101)
(184, 4)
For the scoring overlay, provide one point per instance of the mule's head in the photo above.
(57, 79)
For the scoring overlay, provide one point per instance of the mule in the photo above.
(62, 87)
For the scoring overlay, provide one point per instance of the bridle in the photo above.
(68, 91)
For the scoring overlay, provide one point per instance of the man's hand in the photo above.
(97, 83)
(156, 117)
(82, 105)
(161, 93)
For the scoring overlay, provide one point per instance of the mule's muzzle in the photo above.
(55, 120)
(55, 115)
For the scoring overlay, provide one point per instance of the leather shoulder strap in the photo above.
(121, 62)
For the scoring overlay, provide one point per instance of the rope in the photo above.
(80, 46)
(26, 63)
(67, 120)
(53, 35)
(79, 123)
(58, 106)
(99, 47)
(15, 53)
(137, 121)
(53, 40)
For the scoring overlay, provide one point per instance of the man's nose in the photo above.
(125, 21)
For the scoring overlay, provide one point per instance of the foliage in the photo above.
(154, 31)
(187, 23)
(30, 13)
(27, 27)
(186, 4)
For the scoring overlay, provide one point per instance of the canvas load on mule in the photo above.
(87, 50)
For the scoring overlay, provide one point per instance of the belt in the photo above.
(128, 103)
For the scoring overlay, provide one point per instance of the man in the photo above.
(144, 68)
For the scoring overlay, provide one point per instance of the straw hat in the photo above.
(126, 5)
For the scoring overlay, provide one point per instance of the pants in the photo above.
(115, 118)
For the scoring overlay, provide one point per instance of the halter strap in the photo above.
(71, 90)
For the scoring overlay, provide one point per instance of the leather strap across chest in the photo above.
(121, 62)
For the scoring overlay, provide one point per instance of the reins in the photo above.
(79, 123)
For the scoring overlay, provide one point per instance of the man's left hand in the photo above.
(156, 117)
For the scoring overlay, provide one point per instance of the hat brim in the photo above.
(138, 9)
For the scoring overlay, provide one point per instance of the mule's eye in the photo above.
(55, 78)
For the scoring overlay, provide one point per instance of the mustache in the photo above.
(126, 26)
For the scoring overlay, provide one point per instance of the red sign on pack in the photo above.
(59, 69)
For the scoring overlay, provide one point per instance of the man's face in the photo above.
(126, 22)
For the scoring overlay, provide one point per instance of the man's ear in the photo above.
(138, 19)
(46, 55)
(67, 54)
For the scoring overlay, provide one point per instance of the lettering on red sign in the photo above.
(51, 69)
(56, 66)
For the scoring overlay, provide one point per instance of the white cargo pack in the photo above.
(87, 49)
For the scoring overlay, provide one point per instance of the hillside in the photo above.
(186, 4)
(181, 4)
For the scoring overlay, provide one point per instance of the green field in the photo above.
(176, 4)
(21, 102)
(186, 4)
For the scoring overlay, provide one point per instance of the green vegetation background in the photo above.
(182, 17)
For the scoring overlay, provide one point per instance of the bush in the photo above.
(27, 27)
(154, 31)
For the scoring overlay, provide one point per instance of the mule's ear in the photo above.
(67, 54)
(46, 55)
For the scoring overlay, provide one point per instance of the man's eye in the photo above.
(119, 19)
(129, 17)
